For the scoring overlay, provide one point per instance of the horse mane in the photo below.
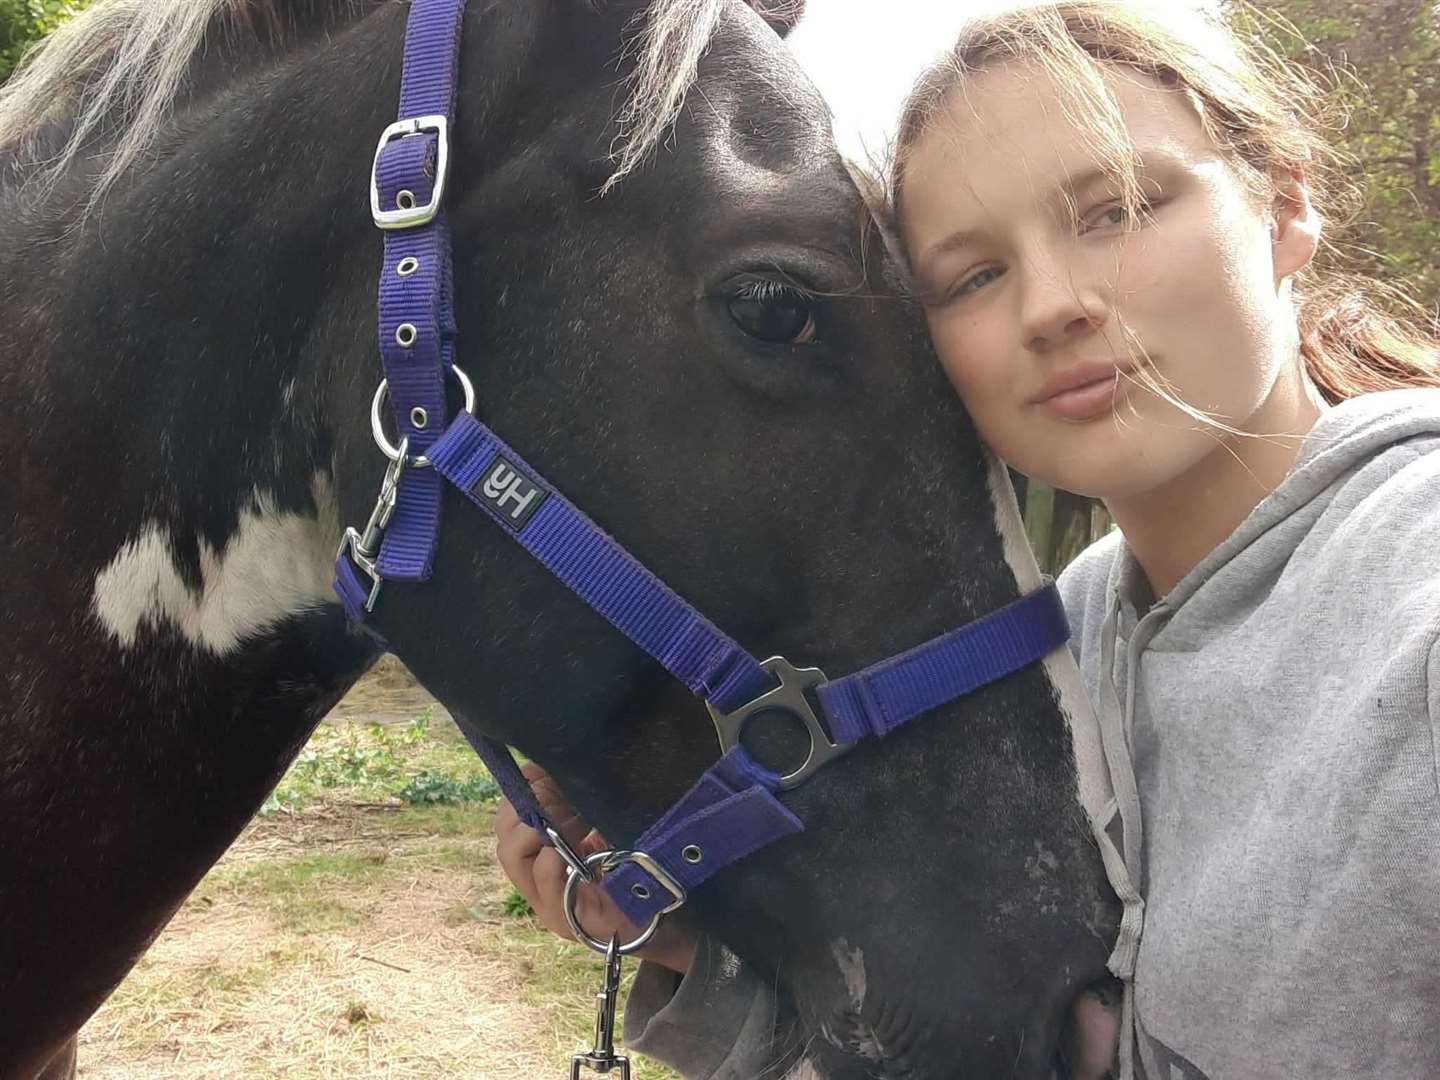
(117, 68)
(668, 49)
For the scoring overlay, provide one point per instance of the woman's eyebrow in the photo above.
(1084, 179)
(1147, 164)
(1070, 185)
(946, 244)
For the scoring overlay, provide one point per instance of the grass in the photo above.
(564, 984)
(359, 928)
(438, 820)
(301, 894)
(423, 763)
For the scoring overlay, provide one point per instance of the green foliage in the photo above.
(515, 905)
(1384, 58)
(418, 764)
(351, 757)
(23, 22)
(429, 788)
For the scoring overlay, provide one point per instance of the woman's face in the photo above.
(1040, 303)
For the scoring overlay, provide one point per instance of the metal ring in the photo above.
(692, 853)
(419, 418)
(377, 429)
(405, 335)
(602, 859)
(407, 266)
(405, 199)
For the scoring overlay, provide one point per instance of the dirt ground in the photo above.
(356, 939)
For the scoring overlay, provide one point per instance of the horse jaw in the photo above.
(274, 566)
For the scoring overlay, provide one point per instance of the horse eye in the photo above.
(773, 312)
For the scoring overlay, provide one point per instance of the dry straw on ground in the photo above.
(355, 940)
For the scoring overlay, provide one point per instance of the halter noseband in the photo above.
(732, 810)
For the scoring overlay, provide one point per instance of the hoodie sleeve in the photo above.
(718, 1022)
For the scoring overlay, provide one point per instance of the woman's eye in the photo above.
(774, 312)
(1114, 215)
(977, 281)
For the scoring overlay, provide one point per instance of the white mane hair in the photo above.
(667, 50)
(118, 66)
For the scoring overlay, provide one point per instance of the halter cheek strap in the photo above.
(733, 809)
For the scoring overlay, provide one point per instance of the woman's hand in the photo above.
(1094, 1034)
(539, 872)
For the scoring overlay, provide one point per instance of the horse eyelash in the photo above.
(769, 290)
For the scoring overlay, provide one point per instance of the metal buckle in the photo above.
(409, 217)
(607, 861)
(788, 697)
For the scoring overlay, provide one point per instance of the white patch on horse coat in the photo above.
(273, 566)
(852, 970)
(1060, 666)
(861, 1040)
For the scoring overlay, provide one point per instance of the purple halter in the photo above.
(732, 810)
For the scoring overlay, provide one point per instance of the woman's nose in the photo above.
(1060, 304)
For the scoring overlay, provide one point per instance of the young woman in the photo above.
(1110, 213)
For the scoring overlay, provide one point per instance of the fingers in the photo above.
(516, 847)
(554, 806)
(537, 870)
(1095, 1036)
(539, 874)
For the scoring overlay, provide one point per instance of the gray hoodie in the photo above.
(1279, 712)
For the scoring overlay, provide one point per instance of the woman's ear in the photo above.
(1294, 226)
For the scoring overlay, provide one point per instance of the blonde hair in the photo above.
(115, 71)
(1268, 116)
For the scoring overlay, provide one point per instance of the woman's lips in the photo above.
(1089, 399)
(1085, 402)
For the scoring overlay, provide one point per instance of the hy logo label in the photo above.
(513, 497)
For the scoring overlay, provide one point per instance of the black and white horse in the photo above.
(712, 358)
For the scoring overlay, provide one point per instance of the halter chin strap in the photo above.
(732, 810)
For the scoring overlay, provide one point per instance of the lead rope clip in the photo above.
(364, 547)
(602, 1058)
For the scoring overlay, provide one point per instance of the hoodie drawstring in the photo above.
(1123, 871)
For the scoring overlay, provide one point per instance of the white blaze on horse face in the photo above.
(275, 565)
(803, 1071)
(1060, 666)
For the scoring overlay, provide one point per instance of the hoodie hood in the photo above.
(1345, 438)
(1270, 726)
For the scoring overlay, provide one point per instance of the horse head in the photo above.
(716, 360)
(670, 298)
